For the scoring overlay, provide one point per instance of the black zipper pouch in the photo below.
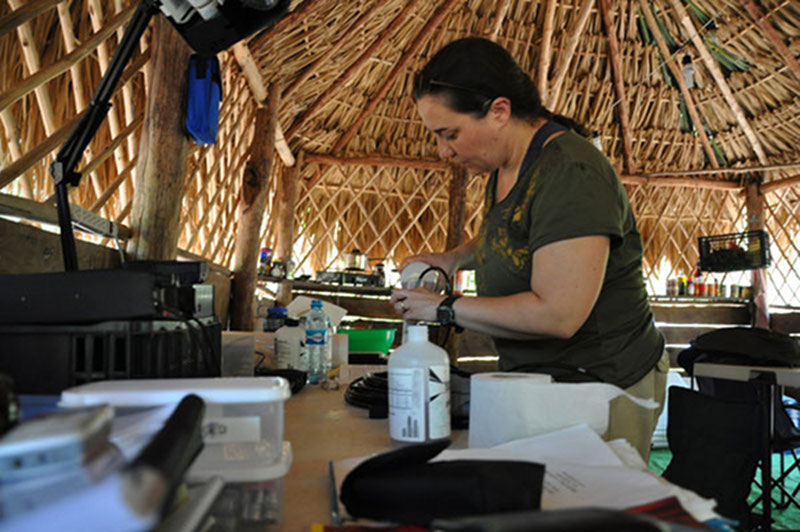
(403, 486)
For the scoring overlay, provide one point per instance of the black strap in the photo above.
(536, 145)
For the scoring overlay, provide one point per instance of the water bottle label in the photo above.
(439, 401)
(407, 404)
(315, 336)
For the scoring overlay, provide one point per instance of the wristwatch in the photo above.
(445, 314)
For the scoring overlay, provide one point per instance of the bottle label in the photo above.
(439, 401)
(412, 391)
(315, 336)
(407, 404)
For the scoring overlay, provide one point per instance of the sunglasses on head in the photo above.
(426, 85)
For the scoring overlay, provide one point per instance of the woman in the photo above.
(558, 258)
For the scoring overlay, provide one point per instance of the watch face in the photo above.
(445, 315)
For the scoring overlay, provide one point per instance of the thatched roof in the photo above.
(371, 176)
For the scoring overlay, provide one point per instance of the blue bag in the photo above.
(203, 98)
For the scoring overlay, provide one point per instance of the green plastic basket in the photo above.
(369, 340)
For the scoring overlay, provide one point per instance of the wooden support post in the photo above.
(284, 223)
(287, 202)
(255, 186)
(755, 221)
(161, 165)
(457, 213)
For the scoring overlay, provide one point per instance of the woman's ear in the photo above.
(500, 109)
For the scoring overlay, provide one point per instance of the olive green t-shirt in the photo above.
(571, 190)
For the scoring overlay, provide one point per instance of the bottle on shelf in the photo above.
(419, 389)
(690, 287)
(316, 343)
(682, 283)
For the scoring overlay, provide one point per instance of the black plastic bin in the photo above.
(734, 251)
(46, 359)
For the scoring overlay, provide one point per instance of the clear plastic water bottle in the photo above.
(317, 343)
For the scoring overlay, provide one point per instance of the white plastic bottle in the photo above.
(290, 349)
(419, 389)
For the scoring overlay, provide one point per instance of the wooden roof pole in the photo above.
(575, 32)
(457, 211)
(253, 200)
(70, 43)
(501, 15)
(422, 164)
(24, 13)
(772, 186)
(57, 68)
(416, 43)
(114, 125)
(342, 39)
(677, 72)
(256, 83)
(328, 93)
(719, 78)
(161, 166)
(12, 132)
(546, 50)
(771, 33)
(33, 62)
(619, 85)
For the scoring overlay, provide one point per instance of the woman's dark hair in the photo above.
(473, 71)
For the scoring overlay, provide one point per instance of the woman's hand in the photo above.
(416, 303)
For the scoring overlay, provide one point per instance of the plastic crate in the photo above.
(734, 251)
(46, 359)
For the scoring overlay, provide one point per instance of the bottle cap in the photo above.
(417, 333)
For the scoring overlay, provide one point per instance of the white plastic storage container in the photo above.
(253, 494)
(243, 419)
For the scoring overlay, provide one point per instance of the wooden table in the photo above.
(321, 428)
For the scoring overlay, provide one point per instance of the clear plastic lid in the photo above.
(156, 392)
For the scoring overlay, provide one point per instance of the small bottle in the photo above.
(419, 389)
(290, 349)
(690, 287)
(316, 343)
(275, 318)
(682, 282)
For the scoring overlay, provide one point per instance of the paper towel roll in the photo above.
(510, 406)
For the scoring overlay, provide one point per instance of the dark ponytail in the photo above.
(473, 71)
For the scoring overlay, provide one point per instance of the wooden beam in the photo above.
(30, 52)
(772, 35)
(758, 279)
(161, 166)
(256, 83)
(679, 182)
(287, 202)
(416, 43)
(677, 73)
(456, 212)
(365, 56)
(24, 13)
(719, 78)
(43, 213)
(12, 132)
(574, 35)
(376, 160)
(619, 85)
(546, 50)
(28, 249)
(253, 200)
(772, 186)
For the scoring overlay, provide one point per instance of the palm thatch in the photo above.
(685, 145)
